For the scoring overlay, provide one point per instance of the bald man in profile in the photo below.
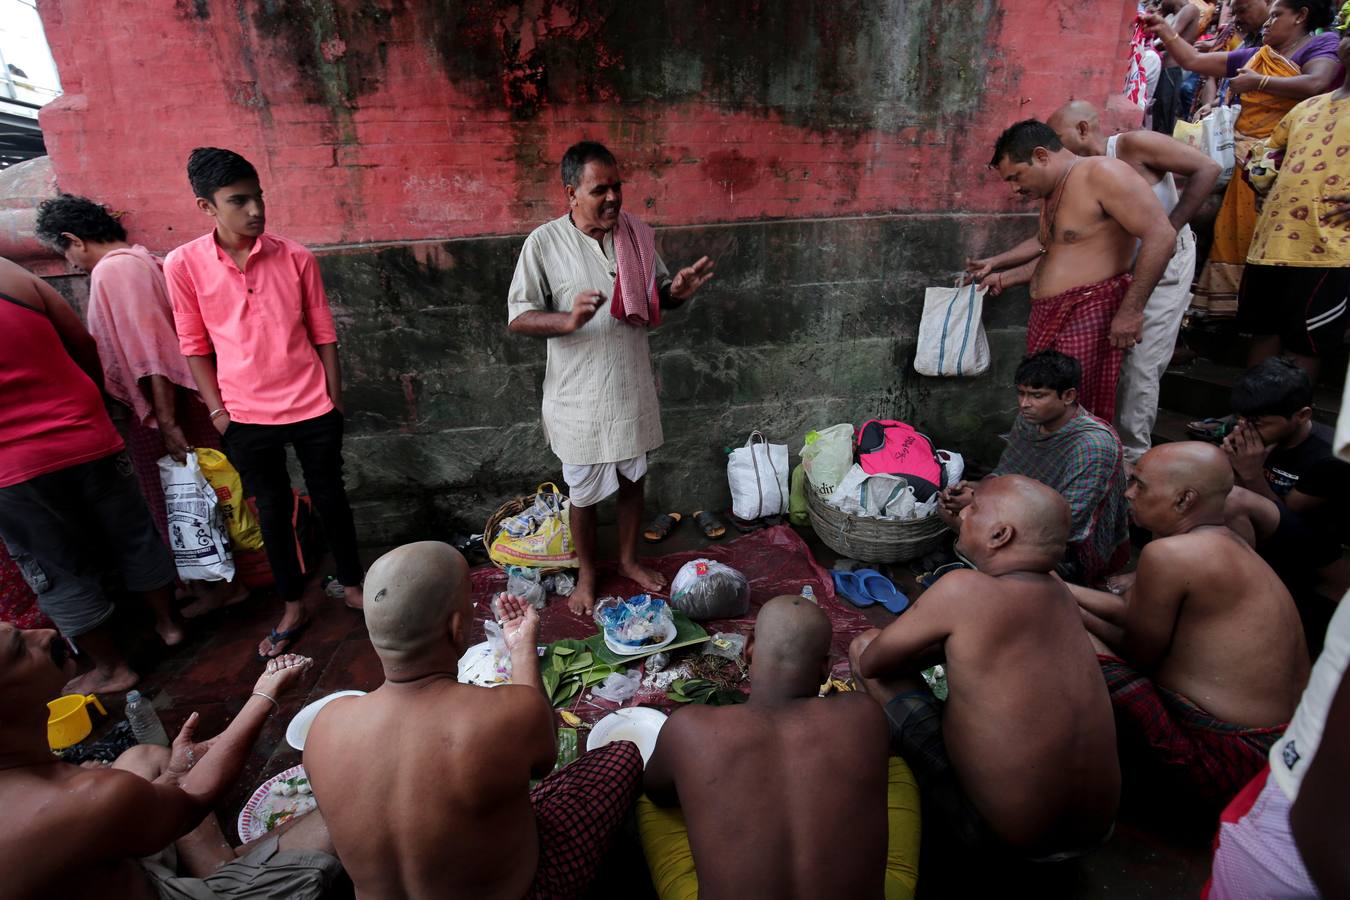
(1023, 756)
(760, 784)
(1158, 158)
(1204, 652)
(425, 781)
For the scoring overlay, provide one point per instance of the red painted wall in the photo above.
(395, 120)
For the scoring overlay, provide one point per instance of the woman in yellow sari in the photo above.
(1291, 65)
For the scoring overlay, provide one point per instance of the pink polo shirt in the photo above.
(263, 325)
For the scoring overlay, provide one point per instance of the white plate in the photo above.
(476, 666)
(625, 650)
(639, 724)
(263, 804)
(298, 730)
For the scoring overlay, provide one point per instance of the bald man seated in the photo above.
(143, 827)
(767, 787)
(1203, 653)
(425, 782)
(1022, 758)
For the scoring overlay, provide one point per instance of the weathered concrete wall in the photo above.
(390, 120)
(830, 155)
(812, 322)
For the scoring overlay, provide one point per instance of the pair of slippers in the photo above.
(868, 587)
(661, 526)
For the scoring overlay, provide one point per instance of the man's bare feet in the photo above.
(293, 620)
(170, 632)
(354, 597)
(103, 681)
(582, 599)
(214, 595)
(648, 579)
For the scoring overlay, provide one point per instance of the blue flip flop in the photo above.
(880, 589)
(847, 585)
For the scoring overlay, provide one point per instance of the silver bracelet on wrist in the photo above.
(275, 704)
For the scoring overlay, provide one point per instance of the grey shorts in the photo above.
(265, 872)
(67, 527)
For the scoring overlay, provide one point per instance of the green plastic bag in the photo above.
(797, 513)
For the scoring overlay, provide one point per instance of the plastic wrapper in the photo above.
(827, 456)
(619, 686)
(523, 582)
(501, 656)
(727, 645)
(635, 622)
(706, 589)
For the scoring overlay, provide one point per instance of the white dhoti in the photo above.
(1143, 367)
(588, 485)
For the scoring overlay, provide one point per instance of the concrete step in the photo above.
(1203, 388)
(1170, 427)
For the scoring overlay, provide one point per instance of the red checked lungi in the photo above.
(1077, 323)
(578, 810)
(1218, 757)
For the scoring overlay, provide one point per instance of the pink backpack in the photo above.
(887, 447)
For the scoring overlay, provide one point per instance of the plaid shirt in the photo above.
(1083, 460)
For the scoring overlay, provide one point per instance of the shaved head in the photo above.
(791, 646)
(1073, 112)
(1177, 487)
(1039, 514)
(411, 594)
(1018, 515)
(1079, 127)
(1199, 466)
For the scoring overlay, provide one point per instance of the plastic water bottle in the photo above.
(809, 593)
(145, 723)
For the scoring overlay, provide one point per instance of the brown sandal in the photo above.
(709, 524)
(661, 527)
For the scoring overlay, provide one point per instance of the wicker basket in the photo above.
(512, 507)
(873, 540)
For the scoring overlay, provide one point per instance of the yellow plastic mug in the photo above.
(68, 720)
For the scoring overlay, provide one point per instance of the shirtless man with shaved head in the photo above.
(425, 781)
(1157, 158)
(1023, 755)
(765, 760)
(1204, 652)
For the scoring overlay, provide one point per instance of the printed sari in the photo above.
(1216, 292)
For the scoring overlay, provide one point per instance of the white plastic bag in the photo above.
(851, 494)
(758, 476)
(1219, 141)
(951, 336)
(197, 532)
(707, 589)
(953, 466)
(827, 457)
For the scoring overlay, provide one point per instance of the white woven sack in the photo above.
(758, 477)
(951, 337)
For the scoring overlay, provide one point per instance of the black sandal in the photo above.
(661, 526)
(710, 525)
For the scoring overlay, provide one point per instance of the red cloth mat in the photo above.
(775, 561)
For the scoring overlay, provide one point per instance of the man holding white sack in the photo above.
(600, 410)
(1157, 157)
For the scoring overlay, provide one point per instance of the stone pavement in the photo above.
(1159, 850)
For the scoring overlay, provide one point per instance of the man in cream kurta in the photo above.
(600, 410)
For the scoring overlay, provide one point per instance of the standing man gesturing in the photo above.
(254, 324)
(600, 411)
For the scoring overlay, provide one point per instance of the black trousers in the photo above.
(1167, 99)
(259, 453)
